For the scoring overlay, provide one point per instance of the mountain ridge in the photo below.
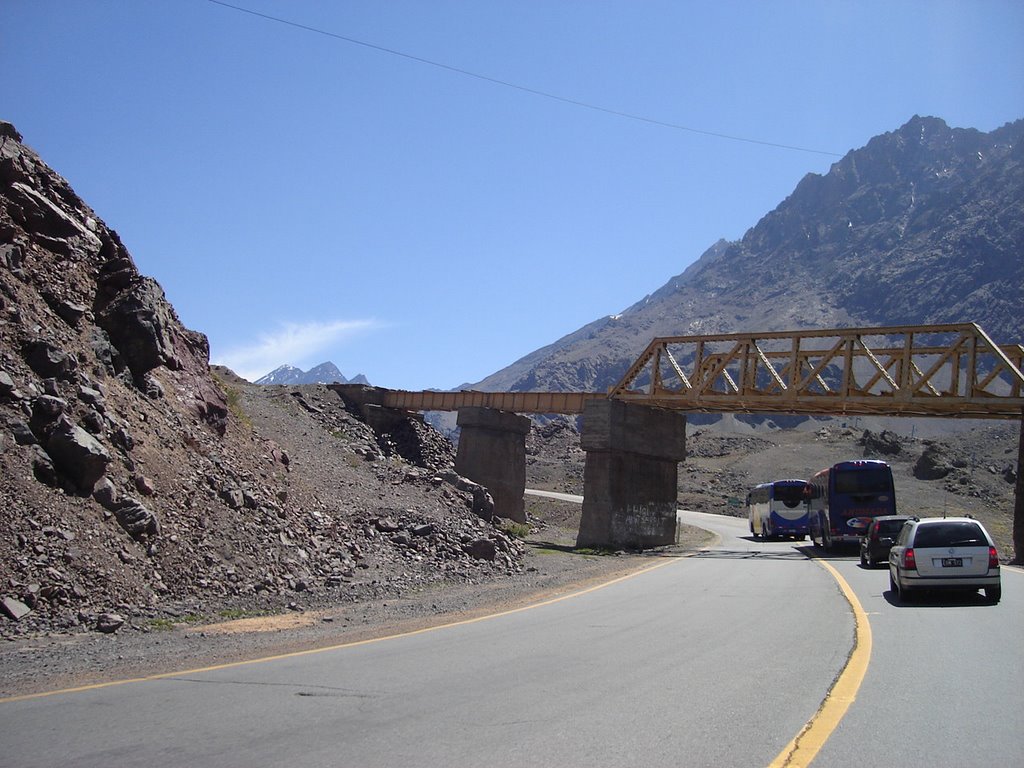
(324, 373)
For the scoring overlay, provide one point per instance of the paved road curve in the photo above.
(945, 676)
(712, 660)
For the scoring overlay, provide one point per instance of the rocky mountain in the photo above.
(325, 373)
(140, 482)
(922, 225)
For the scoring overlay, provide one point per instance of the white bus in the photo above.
(777, 509)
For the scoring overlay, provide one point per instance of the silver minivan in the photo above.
(944, 553)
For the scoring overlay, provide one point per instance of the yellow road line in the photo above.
(352, 644)
(805, 746)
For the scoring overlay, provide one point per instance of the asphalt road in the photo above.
(711, 660)
(945, 682)
(945, 676)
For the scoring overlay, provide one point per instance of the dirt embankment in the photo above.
(167, 644)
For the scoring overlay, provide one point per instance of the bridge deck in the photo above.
(514, 402)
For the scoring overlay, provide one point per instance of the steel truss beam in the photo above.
(929, 370)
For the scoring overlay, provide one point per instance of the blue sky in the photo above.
(303, 197)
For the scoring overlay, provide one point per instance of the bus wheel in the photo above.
(826, 540)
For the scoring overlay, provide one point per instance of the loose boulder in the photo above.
(884, 443)
(480, 549)
(136, 518)
(934, 464)
(48, 360)
(14, 609)
(77, 455)
(108, 623)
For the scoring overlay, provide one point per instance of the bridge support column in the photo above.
(492, 452)
(631, 475)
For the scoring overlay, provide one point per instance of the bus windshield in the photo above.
(864, 480)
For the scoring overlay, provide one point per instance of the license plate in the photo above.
(952, 562)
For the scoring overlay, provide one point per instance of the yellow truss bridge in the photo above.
(947, 371)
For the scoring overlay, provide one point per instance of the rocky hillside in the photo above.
(921, 225)
(137, 480)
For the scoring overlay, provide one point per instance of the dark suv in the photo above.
(879, 538)
(944, 553)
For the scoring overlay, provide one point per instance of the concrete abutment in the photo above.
(631, 475)
(492, 452)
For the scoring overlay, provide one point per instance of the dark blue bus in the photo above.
(843, 500)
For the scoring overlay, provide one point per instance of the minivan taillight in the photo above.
(909, 559)
(993, 558)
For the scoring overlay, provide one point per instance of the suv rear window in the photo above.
(949, 534)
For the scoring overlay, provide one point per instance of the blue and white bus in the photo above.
(843, 500)
(777, 509)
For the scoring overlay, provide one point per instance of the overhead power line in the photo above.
(517, 86)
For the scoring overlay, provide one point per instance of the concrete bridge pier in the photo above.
(631, 475)
(492, 452)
